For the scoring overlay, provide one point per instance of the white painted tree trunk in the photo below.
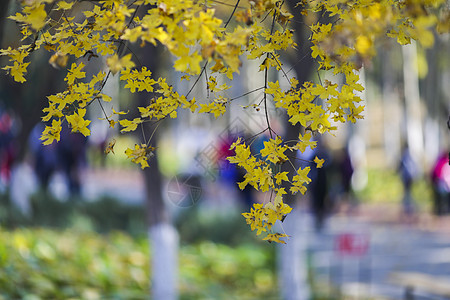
(164, 244)
(22, 185)
(433, 92)
(414, 130)
(359, 140)
(292, 257)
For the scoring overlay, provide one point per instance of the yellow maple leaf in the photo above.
(75, 73)
(275, 237)
(119, 112)
(319, 162)
(363, 44)
(51, 112)
(63, 5)
(282, 176)
(51, 133)
(36, 16)
(299, 180)
(58, 60)
(132, 34)
(78, 123)
(304, 142)
(106, 98)
(140, 154)
(17, 71)
(116, 64)
(191, 60)
(130, 125)
(274, 151)
(110, 147)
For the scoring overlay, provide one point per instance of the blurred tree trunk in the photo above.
(25, 100)
(433, 96)
(163, 236)
(3, 11)
(292, 257)
(391, 111)
(25, 103)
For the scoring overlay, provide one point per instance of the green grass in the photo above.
(385, 186)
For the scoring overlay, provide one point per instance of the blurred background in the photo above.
(375, 218)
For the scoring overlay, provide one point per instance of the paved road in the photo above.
(391, 248)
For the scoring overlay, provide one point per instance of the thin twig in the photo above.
(207, 86)
(248, 93)
(265, 99)
(281, 68)
(299, 61)
(198, 78)
(101, 106)
(154, 130)
(143, 134)
(232, 13)
(227, 4)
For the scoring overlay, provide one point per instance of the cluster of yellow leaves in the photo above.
(51, 133)
(300, 104)
(78, 123)
(263, 217)
(274, 151)
(160, 107)
(216, 107)
(212, 85)
(140, 154)
(71, 103)
(33, 14)
(344, 44)
(138, 80)
(264, 41)
(19, 67)
(259, 174)
(357, 25)
(190, 33)
(167, 104)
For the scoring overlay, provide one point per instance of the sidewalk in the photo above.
(128, 185)
(391, 214)
(124, 184)
(393, 247)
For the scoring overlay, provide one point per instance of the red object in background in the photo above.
(352, 244)
(441, 172)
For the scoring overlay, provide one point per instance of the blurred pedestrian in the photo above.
(343, 166)
(440, 178)
(45, 158)
(7, 149)
(230, 174)
(68, 155)
(320, 201)
(72, 156)
(408, 173)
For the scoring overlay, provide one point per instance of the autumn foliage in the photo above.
(78, 32)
